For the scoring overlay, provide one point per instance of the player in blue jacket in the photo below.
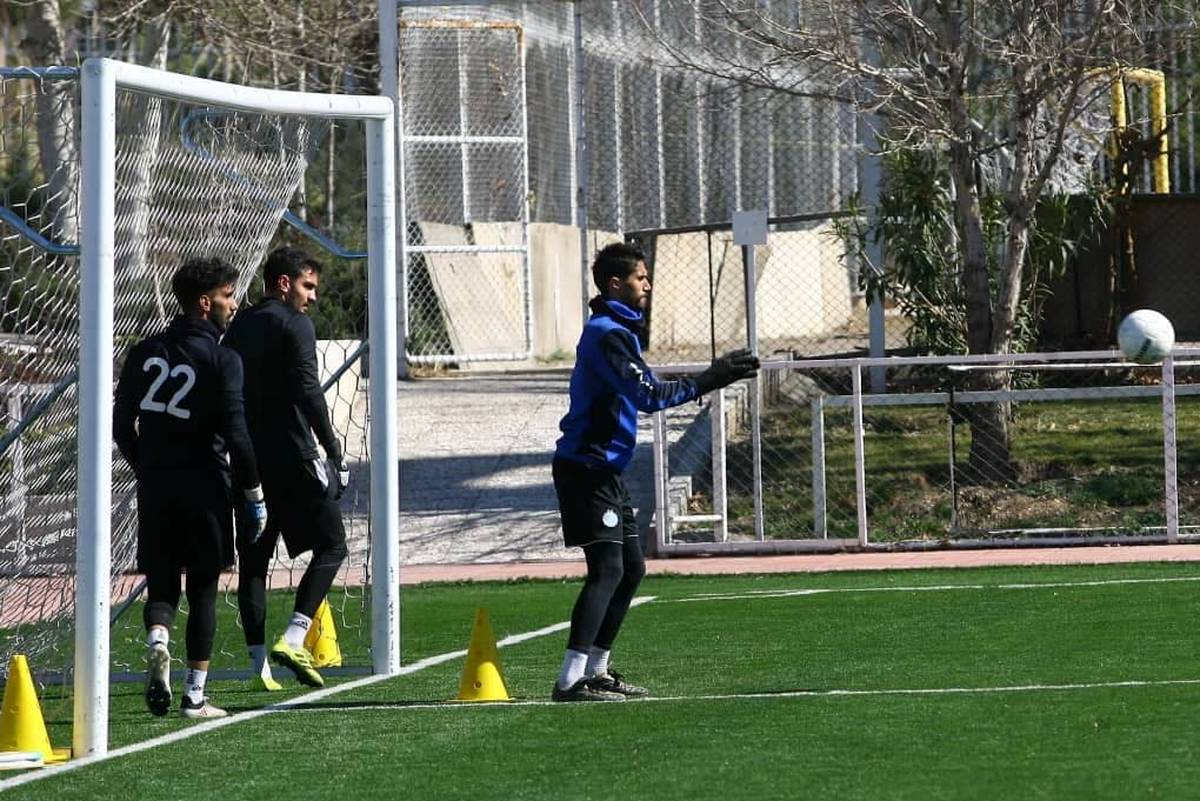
(610, 384)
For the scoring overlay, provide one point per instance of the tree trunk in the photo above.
(45, 45)
(990, 459)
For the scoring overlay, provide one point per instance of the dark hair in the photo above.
(290, 262)
(199, 276)
(617, 260)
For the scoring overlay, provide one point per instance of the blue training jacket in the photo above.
(609, 385)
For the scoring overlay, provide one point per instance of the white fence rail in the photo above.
(1090, 458)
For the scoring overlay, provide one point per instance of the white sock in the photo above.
(258, 661)
(597, 664)
(157, 635)
(573, 666)
(193, 684)
(297, 630)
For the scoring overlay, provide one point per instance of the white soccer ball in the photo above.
(1146, 336)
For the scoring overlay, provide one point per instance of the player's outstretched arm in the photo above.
(634, 379)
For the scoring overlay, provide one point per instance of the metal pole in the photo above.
(385, 460)
(662, 518)
(755, 391)
(93, 540)
(820, 502)
(389, 74)
(1170, 467)
(860, 468)
(581, 164)
(720, 482)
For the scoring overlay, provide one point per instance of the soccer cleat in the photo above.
(583, 690)
(200, 710)
(158, 679)
(613, 682)
(265, 684)
(298, 661)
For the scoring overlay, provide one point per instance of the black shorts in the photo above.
(301, 507)
(185, 521)
(593, 503)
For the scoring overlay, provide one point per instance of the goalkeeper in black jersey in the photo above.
(285, 407)
(178, 406)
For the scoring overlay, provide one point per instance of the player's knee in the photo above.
(331, 555)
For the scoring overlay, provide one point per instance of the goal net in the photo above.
(188, 168)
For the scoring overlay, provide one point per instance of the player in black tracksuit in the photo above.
(284, 408)
(178, 405)
(609, 386)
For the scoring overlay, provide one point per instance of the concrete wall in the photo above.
(801, 283)
(803, 288)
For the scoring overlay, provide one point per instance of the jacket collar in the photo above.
(184, 325)
(607, 307)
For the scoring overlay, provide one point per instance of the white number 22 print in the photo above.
(165, 371)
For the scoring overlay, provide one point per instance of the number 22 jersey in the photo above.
(185, 393)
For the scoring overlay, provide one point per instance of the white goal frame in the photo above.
(100, 80)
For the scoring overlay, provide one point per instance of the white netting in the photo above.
(190, 181)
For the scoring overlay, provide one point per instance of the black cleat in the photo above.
(614, 682)
(583, 690)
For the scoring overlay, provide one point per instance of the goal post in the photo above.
(101, 80)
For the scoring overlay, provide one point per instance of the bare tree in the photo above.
(984, 83)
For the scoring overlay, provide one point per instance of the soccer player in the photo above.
(284, 408)
(178, 405)
(609, 386)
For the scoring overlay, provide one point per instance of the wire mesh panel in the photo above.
(465, 191)
(1057, 451)
(191, 180)
(806, 291)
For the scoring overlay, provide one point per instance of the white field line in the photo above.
(832, 693)
(755, 594)
(282, 706)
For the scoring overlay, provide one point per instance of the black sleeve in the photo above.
(232, 417)
(632, 377)
(306, 389)
(125, 408)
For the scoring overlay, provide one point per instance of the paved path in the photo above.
(475, 468)
(477, 500)
(821, 563)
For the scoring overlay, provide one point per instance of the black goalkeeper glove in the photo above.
(341, 477)
(733, 366)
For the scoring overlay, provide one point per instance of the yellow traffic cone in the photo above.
(321, 640)
(481, 678)
(21, 726)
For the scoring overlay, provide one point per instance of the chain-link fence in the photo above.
(1036, 449)
(806, 292)
(620, 137)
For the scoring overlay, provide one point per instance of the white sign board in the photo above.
(750, 227)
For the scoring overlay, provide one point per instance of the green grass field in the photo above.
(1058, 683)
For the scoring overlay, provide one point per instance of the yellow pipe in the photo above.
(1157, 83)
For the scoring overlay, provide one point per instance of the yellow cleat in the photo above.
(298, 661)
